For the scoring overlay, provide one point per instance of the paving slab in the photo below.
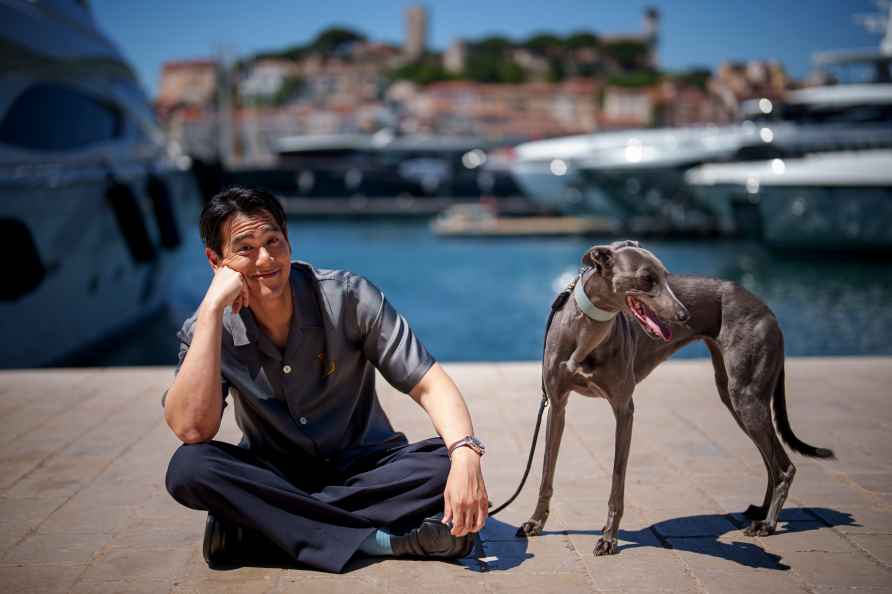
(83, 509)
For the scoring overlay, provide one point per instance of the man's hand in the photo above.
(193, 406)
(228, 287)
(466, 502)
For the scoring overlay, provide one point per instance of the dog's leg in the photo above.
(588, 336)
(750, 390)
(753, 512)
(554, 430)
(624, 412)
(780, 470)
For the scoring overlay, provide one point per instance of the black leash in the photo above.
(556, 305)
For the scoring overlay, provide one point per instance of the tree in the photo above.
(636, 78)
(556, 70)
(629, 54)
(292, 52)
(333, 39)
(291, 86)
(582, 39)
(422, 72)
(544, 43)
(694, 77)
(489, 61)
(493, 43)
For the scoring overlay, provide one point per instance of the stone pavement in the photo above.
(83, 506)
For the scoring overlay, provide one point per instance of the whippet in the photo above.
(623, 316)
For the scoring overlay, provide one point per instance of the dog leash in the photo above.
(556, 305)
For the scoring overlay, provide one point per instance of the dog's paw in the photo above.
(569, 367)
(605, 547)
(755, 512)
(576, 371)
(530, 528)
(759, 528)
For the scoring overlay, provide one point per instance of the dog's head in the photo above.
(639, 284)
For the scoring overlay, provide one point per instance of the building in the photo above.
(416, 32)
(504, 111)
(626, 107)
(734, 82)
(454, 59)
(266, 77)
(187, 84)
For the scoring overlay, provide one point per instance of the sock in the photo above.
(377, 544)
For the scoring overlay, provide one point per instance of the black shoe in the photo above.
(432, 539)
(222, 543)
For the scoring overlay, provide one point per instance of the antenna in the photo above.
(880, 22)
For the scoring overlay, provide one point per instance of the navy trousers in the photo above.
(317, 512)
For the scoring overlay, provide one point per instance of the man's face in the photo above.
(254, 245)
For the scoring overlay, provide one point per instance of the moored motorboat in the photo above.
(98, 207)
(831, 201)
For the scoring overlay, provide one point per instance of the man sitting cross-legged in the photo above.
(319, 474)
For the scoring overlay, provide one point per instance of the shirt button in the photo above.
(303, 420)
(287, 368)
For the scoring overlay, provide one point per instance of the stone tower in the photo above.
(652, 32)
(416, 32)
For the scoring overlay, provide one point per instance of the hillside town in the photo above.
(499, 89)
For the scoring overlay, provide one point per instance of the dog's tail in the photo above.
(783, 425)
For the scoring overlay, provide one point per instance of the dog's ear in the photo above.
(624, 243)
(600, 257)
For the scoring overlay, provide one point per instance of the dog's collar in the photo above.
(587, 307)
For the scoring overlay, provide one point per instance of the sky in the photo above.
(693, 32)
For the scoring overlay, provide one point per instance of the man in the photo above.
(319, 473)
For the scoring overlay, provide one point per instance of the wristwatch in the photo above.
(468, 441)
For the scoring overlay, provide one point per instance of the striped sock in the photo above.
(377, 544)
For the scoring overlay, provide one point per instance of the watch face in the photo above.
(477, 443)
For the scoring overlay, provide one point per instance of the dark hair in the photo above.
(234, 200)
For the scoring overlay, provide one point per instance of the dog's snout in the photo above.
(682, 314)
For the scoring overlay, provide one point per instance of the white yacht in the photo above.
(640, 174)
(93, 203)
(832, 201)
(825, 183)
(634, 176)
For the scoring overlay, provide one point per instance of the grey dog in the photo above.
(623, 316)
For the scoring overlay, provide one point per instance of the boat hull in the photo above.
(92, 286)
(837, 219)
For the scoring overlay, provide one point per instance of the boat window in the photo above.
(849, 114)
(56, 118)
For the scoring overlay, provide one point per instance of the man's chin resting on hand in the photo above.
(319, 475)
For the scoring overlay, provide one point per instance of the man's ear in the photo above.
(213, 259)
(599, 256)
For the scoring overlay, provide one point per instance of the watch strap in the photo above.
(467, 441)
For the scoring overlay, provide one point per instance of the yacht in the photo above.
(95, 204)
(638, 176)
(385, 164)
(634, 176)
(830, 201)
(825, 182)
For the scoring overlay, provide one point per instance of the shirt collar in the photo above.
(243, 327)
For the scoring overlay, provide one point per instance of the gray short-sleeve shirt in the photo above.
(317, 397)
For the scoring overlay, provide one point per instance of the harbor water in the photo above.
(488, 299)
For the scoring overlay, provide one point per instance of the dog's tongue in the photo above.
(662, 331)
(657, 327)
(645, 316)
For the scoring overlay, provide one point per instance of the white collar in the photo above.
(587, 307)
